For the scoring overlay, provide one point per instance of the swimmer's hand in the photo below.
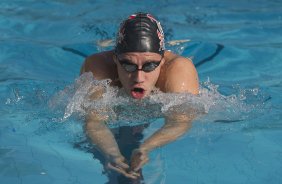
(118, 164)
(139, 158)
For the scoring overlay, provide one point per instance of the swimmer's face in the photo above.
(138, 72)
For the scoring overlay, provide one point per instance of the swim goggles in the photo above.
(130, 67)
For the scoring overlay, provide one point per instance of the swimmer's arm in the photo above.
(103, 138)
(101, 135)
(173, 128)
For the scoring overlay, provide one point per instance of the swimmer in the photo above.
(139, 64)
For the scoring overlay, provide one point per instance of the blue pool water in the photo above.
(236, 47)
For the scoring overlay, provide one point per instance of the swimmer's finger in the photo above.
(139, 166)
(121, 164)
(117, 169)
(121, 171)
(134, 173)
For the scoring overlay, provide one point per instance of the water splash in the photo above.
(75, 100)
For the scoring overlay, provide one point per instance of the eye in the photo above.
(150, 66)
(129, 67)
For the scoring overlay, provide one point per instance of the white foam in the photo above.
(75, 100)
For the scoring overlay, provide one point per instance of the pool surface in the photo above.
(235, 46)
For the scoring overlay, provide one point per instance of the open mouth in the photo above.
(138, 93)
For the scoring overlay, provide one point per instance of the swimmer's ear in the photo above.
(115, 58)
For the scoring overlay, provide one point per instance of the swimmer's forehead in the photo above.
(150, 55)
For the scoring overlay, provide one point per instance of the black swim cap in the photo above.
(140, 32)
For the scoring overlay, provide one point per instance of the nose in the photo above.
(139, 76)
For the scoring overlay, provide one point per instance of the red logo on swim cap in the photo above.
(132, 16)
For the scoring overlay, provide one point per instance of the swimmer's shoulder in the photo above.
(101, 65)
(172, 59)
(178, 74)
